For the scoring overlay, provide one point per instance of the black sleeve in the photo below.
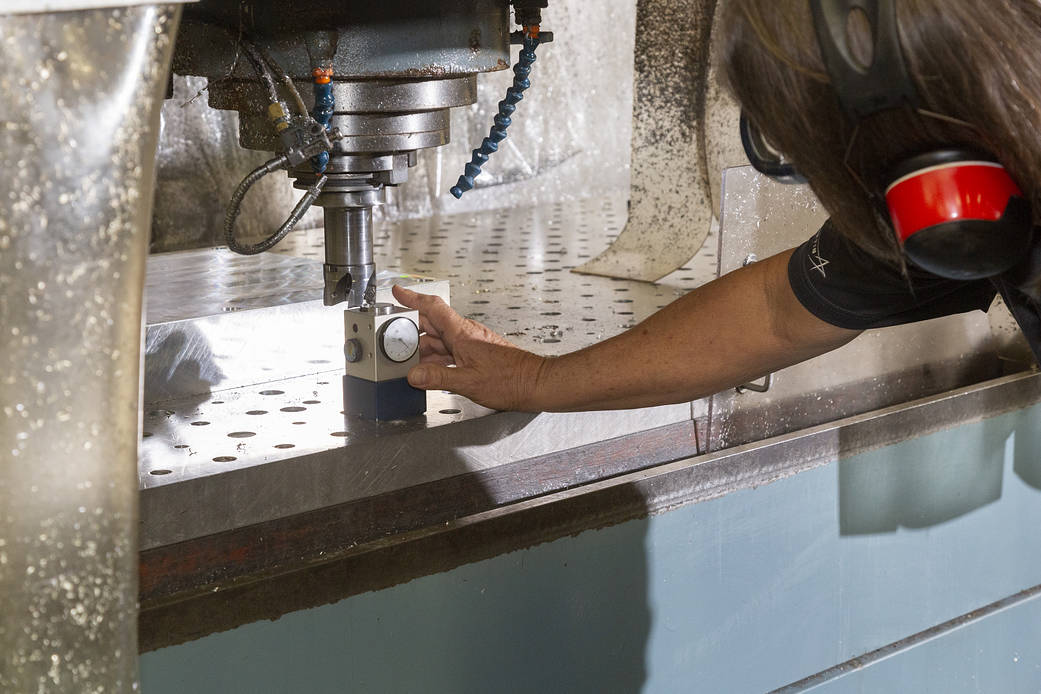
(849, 288)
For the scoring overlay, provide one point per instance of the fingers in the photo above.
(429, 344)
(426, 327)
(439, 359)
(433, 351)
(436, 317)
(414, 300)
(437, 377)
(406, 297)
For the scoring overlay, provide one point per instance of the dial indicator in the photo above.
(399, 339)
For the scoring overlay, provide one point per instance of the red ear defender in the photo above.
(958, 214)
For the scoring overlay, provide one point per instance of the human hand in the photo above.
(465, 357)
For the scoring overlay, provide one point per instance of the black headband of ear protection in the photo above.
(863, 90)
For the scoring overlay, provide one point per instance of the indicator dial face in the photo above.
(399, 339)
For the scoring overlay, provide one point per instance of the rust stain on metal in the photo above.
(475, 41)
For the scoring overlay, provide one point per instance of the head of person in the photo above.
(974, 62)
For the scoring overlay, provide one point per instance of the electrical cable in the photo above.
(284, 77)
(263, 64)
(235, 206)
(262, 69)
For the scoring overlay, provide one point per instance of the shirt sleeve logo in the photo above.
(816, 259)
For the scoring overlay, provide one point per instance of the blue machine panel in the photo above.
(743, 593)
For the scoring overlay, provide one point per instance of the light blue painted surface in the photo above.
(743, 593)
(997, 654)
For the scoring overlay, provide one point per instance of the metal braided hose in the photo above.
(235, 205)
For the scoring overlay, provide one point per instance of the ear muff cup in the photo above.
(973, 249)
(958, 214)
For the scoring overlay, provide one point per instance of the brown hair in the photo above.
(979, 62)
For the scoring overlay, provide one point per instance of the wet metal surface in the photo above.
(284, 446)
(79, 106)
(196, 284)
(570, 140)
(217, 320)
(397, 39)
(255, 454)
(511, 269)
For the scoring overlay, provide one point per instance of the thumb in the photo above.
(434, 377)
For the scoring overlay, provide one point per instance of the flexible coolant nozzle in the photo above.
(507, 106)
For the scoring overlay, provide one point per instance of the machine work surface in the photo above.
(510, 269)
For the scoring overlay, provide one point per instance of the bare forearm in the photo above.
(725, 333)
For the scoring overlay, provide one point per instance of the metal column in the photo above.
(79, 109)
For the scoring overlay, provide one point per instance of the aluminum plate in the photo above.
(511, 269)
(260, 451)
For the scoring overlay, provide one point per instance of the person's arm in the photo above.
(730, 331)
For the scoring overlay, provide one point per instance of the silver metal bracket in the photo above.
(757, 387)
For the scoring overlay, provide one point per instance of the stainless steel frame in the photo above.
(79, 108)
